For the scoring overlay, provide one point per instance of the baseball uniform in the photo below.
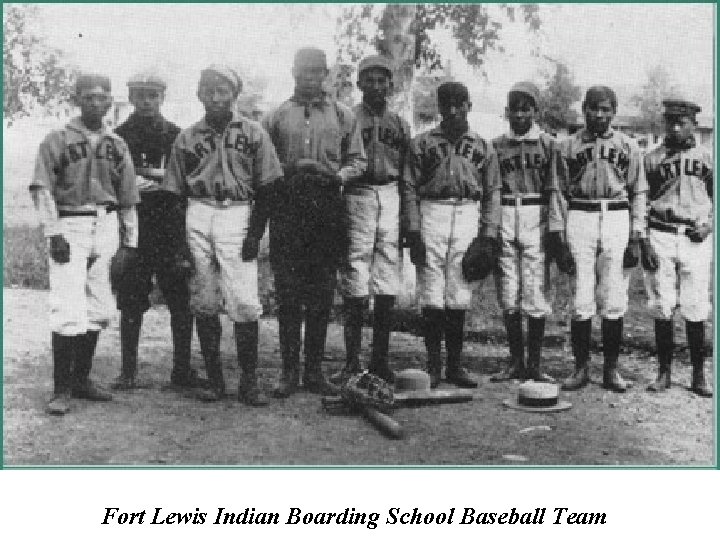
(680, 179)
(84, 189)
(606, 193)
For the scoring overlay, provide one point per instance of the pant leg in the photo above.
(100, 301)
(508, 276)
(435, 228)
(238, 278)
(68, 301)
(204, 284)
(362, 211)
(458, 291)
(386, 264)
(613, 279)
(694, 271)
(535, 284)
(661, 285)
(583, 236)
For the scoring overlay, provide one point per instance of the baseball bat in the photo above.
(385, 424)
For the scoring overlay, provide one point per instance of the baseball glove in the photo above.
(366, 389)
(123, 267)
(480, 258)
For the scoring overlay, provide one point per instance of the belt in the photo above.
(527, 200)
(667, 227)
(221, 203)
(596, 206)
(85, 213)
(450, 200)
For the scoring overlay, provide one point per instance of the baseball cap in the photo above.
(375, 61)
(678, 106)
(452, 92)
(310, 57)
(90, 80)
(226, 72)
(527, 88)
(147, 79)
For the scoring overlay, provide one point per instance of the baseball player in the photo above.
(532, 172)
(85, 193)
(318, 142)
(454, 172)
(680, 176)
(161, 237)
(372, 206)
(607, 194)
(224, 164)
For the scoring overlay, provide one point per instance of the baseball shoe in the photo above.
(92, 392)
(59, 404)
(459, 376)
(579, 379)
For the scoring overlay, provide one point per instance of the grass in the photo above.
(24, 258)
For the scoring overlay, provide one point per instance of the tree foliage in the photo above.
(34, 75)
(475, 28)
(658, 86)
(557, 99)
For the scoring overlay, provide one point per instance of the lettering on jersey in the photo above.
(234, 140)
(467, 148)
(78, 151)
(385, 135)
(520, 162)
(683, 166)
(616, 157)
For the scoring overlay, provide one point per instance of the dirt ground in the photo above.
(157, 426)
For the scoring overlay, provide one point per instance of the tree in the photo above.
(33, 73)
(659, 85)
(557, 98)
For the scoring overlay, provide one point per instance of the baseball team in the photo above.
(344, 191)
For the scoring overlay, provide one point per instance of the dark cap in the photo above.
(310, 57)
(452, 92)
(375, 61)
(677, 106)
(147, 79)
(527, 88)
(223, 71)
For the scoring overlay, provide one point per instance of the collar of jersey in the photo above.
(587, 136)
(371, 111)
(533, 134)
(202, 125)
(158, 123)
(321, 101)
(438, 132)
(76, 125)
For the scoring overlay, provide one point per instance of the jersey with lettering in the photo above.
(467, 169)
(532, 165)
(386, 138)
(229, 165)
(608, 166)
(77, 171)
(323, 130)
(150, 142)
(681, 185)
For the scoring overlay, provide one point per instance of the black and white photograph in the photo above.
(358, 235)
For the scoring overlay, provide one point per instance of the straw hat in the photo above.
(538, 397)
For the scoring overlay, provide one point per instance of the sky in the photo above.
(614, 44)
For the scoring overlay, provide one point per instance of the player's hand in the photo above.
(699, 233)
(418, 253)
(631, 258)
(558, 250)
(59, 249)
(480, 258)
(649, 257)
(123, 267)
(250, 248)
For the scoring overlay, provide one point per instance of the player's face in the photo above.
(679, 128)
(94, 104)
(147, 101)
(310, 79)
(217, 97)
(520, 113)
(375, 84)
(598, 116)
(454, 110)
